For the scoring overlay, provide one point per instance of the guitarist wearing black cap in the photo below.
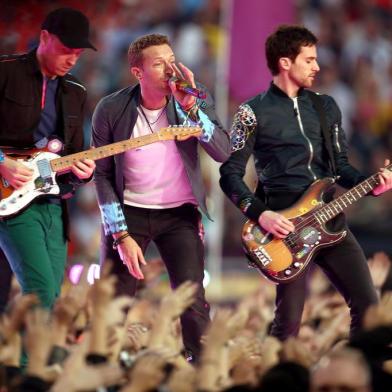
(40, 101)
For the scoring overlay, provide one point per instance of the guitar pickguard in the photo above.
(43, 183)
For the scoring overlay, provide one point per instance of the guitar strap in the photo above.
(318, 105)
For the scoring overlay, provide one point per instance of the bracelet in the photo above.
(119, 240)
(190, 107)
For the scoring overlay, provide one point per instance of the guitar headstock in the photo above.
(178, 132)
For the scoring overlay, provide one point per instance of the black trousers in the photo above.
(176, 233)
(346, 267)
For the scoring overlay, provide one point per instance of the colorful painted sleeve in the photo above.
(243, 137)
(244, 124)
(113, 218)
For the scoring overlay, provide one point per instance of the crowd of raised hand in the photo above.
(92, 341)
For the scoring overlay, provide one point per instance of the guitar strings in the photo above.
(313, 219)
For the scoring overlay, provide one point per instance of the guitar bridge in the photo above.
(262, 256)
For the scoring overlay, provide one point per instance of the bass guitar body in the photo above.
(283, 260)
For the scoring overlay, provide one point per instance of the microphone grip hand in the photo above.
(185, 87)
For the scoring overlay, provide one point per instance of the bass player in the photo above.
(283, 128)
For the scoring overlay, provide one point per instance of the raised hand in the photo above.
(182, 380)
(65, 310)
(237, 321)
(79, 376)
(146, 374)
(175, 302)
(379, 314)
(171, 307)
(294, 351)
(117, 310)
(10, 345)
(64, 313)
(379, 266)
(101, 292)
(10, 327)
(116, 335)
(270, 349)
(217, 333)
(38, 341)
(138, 336)
(19, 309)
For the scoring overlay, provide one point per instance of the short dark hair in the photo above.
(135, 55)
(286, 41)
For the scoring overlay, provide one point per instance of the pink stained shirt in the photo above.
(154, 175)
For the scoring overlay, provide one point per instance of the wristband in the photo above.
(2, 156)
(189, 108)
(119, 240)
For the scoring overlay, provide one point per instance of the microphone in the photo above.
(185, 87)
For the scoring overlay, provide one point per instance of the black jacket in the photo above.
(20, 103)
(285, 137)
(20, 107)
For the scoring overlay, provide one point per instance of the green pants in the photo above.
(35, 246)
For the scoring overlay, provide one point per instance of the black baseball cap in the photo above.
(70, 26)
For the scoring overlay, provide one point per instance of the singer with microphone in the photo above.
(154, 192)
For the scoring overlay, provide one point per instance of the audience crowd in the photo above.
(92, 341)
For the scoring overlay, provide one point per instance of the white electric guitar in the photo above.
(46, 165)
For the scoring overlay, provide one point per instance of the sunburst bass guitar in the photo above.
(283, 260)
(46, 165)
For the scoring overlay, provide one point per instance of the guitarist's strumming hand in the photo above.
(385, 177)
(275, 223)
(83, 169)
(16, 173)
(130, 254)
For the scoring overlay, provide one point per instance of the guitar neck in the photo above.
(335, 207)
(65, 163)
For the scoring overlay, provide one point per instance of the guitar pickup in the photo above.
(262, 255)
(44, 168)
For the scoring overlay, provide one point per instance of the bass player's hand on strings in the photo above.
(275, 223)
(16, 173)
